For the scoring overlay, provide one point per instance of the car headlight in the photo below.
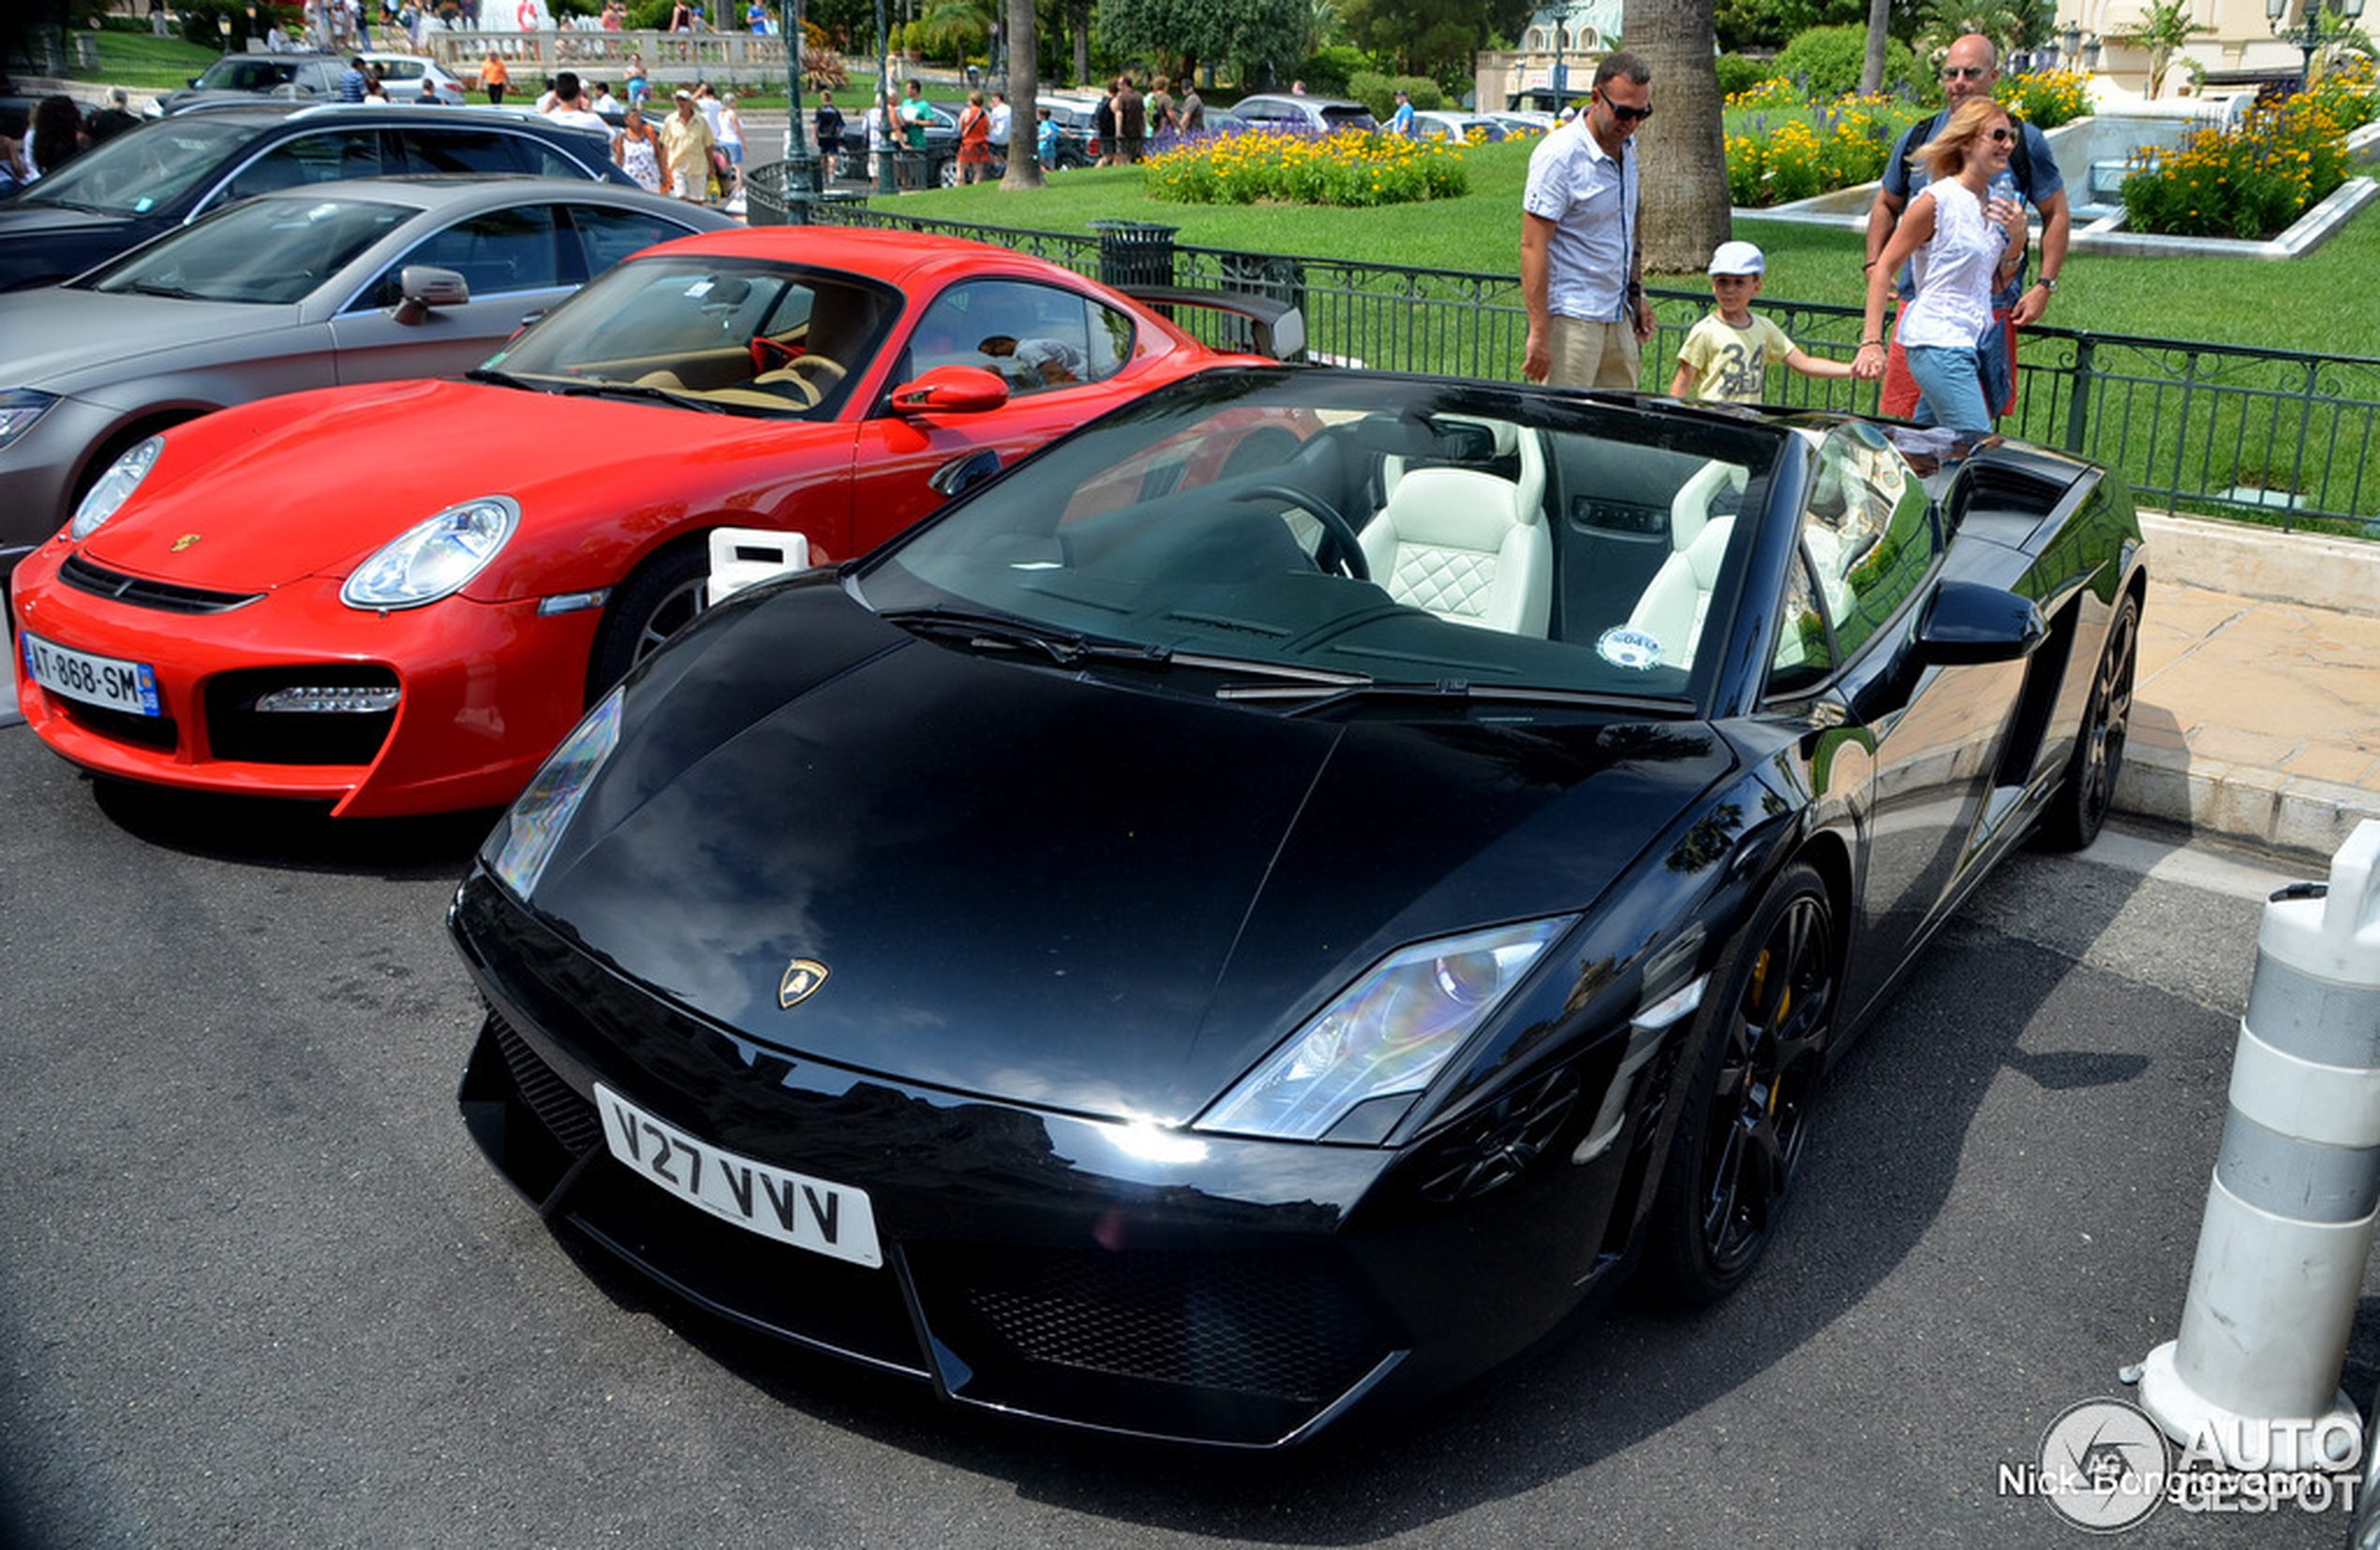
(19, 409)
(1385, 1036)
(436, 558)
(535, 823)
(114, 487)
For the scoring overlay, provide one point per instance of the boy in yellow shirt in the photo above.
(1725, 358)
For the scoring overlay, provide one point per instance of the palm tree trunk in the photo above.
(1024, 88)
(1683, 146)
(1871, 71)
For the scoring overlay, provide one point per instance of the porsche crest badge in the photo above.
(803, 976)
(185, 542)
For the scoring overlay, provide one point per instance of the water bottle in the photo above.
(2004, 187)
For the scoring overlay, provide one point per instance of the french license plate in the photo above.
(832, 1219)
(119, 685)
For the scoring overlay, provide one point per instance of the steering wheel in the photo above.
(768, 354)
(1339, 532)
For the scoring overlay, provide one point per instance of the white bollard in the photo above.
(2296, 1195)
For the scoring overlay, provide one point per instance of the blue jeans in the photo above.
(1950, 387)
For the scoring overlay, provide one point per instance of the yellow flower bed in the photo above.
(1352, 167)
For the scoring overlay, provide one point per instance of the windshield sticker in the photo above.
(1624, 646)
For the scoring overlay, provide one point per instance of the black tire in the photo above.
(2087, 792)
(659, 599)
(1740, 1140)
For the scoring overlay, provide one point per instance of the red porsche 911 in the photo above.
(397, 598)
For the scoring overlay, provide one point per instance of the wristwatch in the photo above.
(2048, 284)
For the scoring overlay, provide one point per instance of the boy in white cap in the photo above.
(1725, 358)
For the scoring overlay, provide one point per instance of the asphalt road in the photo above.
(257, 1289)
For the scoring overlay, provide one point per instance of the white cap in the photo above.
(1737, 258)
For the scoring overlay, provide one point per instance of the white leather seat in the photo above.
(1467, 546)
(1712, 492)
(1675, 604)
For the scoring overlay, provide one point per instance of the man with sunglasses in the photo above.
(1971, 68)
(1582, 256)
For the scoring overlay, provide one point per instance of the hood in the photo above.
(50, 332)
(41, 244)
(1083, 894)
(312, 483)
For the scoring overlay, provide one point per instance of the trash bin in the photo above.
(1135, 252)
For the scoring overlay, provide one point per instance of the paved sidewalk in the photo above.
(2256, 707)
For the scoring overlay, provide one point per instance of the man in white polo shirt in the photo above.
(1581, 257)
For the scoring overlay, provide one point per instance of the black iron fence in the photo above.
(2279, 436)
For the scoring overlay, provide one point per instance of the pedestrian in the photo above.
(1191, 111)
(756, 18)
(686, 143)
(114, 118)
(1044, 138)
(681, 17)
(1163, 123)
(877, 122)
(429, 94)
(55, 135)
(731, 139)
(605, 105)
(999, 127)
(1103, 128)
(638, 152)
(494, 77)
(1971, 69)
(974, 139)
(1132, 120)
(830, 129)
(914, 115)
(1581, 254)
(1725, 357)
(570, 105)
(355, 82)
(1401, 121)
(1956, 250)
(639, 87)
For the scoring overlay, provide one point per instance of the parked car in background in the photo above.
(360, 281)
(397, 597)
(160, 175)
(1319, 115)
(1447, 123)
(404, 74)
(245, 77)
(1261, 912)
(1520, 121)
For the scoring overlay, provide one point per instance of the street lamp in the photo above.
(1562, 40)
(223, 25)
(2312, 30)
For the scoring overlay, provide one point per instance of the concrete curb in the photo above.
(2265, 807)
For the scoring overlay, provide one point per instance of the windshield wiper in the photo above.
(150, 288)
(1005, 631)
(1438, 689)
(502, 378)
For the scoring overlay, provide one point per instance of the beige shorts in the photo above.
(1593, 354)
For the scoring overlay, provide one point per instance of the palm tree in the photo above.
(1686, 208)
(1024, 89)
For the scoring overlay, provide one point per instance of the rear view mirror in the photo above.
(424, 287)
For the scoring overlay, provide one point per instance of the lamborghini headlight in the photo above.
(114, 487)
(1385, 1036)
(526, 840)
(435, 558)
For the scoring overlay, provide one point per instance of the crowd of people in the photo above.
(1948, 233)
(55, 132)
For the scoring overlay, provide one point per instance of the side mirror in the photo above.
(951, 390)
(1968, 622)
(424, 287)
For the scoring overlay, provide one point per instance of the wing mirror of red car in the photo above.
(424, 287)
(951, 390)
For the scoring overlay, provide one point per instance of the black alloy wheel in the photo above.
(2086, 793)
(1733, 1160)
(660, 598)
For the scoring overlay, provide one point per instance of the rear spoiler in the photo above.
(1278, 326)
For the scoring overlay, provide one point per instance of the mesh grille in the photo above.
(572, 1119)
(1244, 1322)
(81, 575)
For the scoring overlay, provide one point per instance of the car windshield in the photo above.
(135, 172)
(740, 335)
(265, 252)
(1332, 532)
(245, 73)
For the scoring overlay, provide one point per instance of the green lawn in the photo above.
(2313, 303)
(142, 63)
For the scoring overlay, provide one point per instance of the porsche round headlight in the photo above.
(435, 558)
(523, 841)
(1385, 1036)
(114, 487)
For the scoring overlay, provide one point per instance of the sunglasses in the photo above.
(1962, 72)
(2000, 135)
(1623, 112)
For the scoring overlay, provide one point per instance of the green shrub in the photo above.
(1738, 74)
(1825, 62)
(1377, 92)
(1330, 72)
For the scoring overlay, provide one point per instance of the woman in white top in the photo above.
(1955, 246)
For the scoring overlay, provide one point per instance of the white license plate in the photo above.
(832, 1219)
(110, 681)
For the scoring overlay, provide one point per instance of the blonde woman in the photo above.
(1950, 236)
